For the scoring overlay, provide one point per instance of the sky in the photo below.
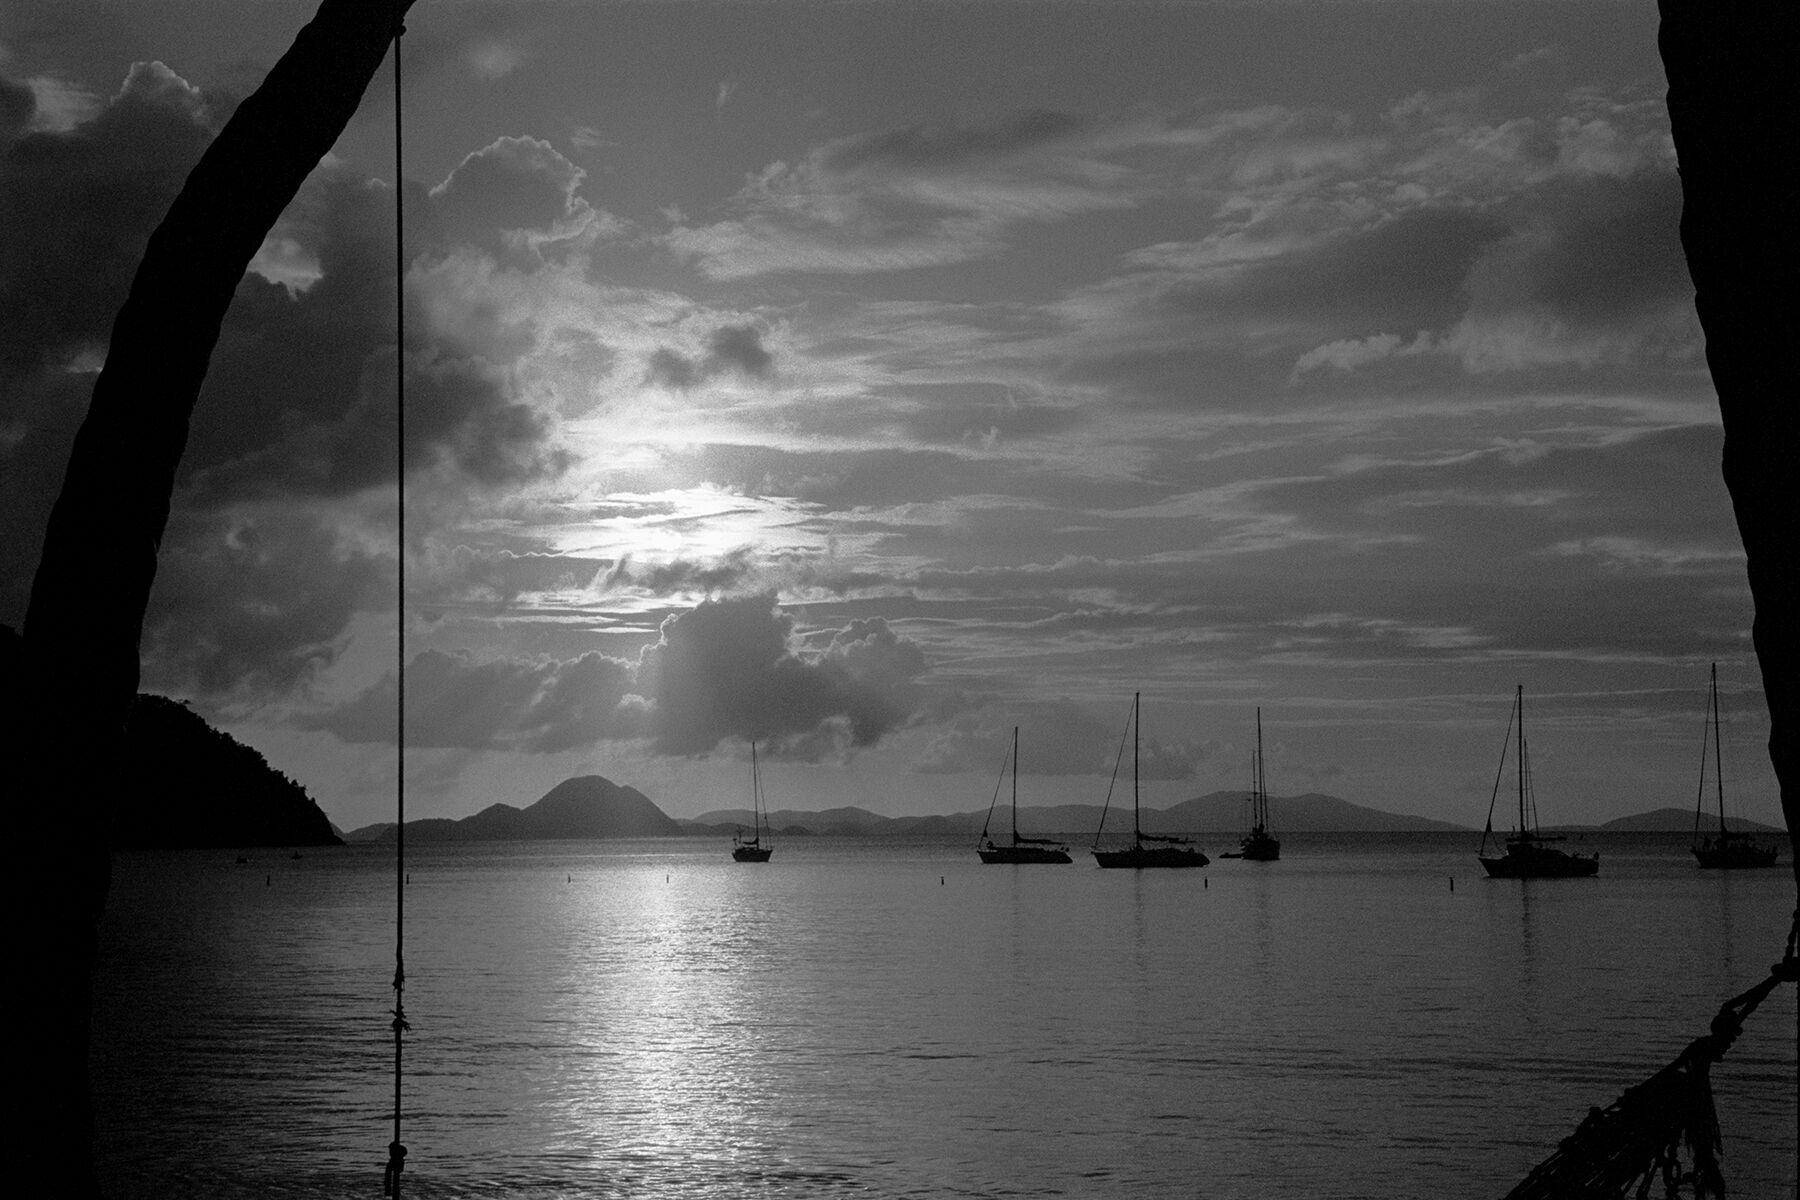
(867, 379)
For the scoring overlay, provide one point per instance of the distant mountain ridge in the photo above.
(591, 806)
(1672, 820)
(587, 806)
(1212, 813)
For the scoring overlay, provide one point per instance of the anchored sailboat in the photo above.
(1730, 848)
(1528, 854)
(1171, 852)
(1021, 849)
(1259, 845)
(753, 849)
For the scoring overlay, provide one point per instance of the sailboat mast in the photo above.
(755, 796)
(1137, 832)
(1015, 785)
(1519, 701)
(1260, 805)
(1718, 765)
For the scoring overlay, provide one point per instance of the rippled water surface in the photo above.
(650, 1019)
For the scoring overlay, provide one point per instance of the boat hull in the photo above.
(1023, 855)
(1731, 854)
(1260, 847)
(1139, 857)
(1540, 862)
(751, 853)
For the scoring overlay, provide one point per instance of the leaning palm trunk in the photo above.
(1735, 116)
(69, 689)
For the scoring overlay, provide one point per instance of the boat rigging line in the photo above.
(390, 1181)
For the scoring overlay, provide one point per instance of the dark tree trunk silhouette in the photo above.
(1732, 109)
(75, 671)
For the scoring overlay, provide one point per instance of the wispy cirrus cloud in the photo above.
(911, 197)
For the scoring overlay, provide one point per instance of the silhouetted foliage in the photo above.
(183, 783)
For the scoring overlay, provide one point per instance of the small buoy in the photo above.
(1453, 883)
(1204, 883)
(268, 881)
(940, 881)
(571, 879)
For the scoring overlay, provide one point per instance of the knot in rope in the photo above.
(396, 1163)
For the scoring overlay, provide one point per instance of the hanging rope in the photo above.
(390, 1181)
(1637, 1141)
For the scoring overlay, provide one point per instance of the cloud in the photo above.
(80, 207)
(671, 369)
(515, 199)
(913, 147)
(60, 106)
(1347, 354)
(729, 348)
(738, 347)
(251, 604)
(493, 59)
(915, 196)
(463, 702)
(729, 669)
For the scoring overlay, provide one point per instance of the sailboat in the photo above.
(1021, 849)
(1259, 845)
(1170, 851)
(1528, 852)
(1729, 849)
(752, 849)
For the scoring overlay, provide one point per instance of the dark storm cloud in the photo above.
(298, 401)
(1405, 274)
(457, 701)
(935, 146)
(1610, 251)
(728, 348)
(738, 347)
(678, 575)
(460, 412)
(727, 669)
(670, 369)
(76, 210)
(253, 605)
(318, 365)
(295, 392)
(79, 207)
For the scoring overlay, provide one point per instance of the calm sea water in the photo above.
(871, 1019)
